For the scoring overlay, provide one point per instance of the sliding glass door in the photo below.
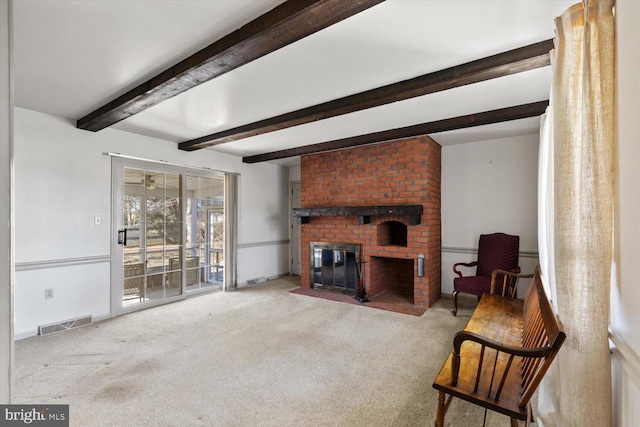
(169, 237)
(151, 235)
(205, 232)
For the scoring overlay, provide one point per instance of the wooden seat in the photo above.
(503, 352)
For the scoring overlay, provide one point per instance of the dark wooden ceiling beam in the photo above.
(461, 122)
(283, 25)
(514, 61)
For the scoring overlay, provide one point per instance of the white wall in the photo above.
(63, 180)
(264, 222)
(294, 173)
(487, 187)
(625, 316)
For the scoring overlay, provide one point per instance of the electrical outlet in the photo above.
(97, 220)
(48, 293)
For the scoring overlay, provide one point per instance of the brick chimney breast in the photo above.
(403, 172)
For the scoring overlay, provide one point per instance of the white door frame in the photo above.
(7, 220)
(117, 181)
(117, 177)
(295, 255)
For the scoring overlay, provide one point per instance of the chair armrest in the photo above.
(508, 289)
(513, 350)
(465, 264)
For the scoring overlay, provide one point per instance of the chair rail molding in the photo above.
(259, 244)
(57, 263)
(461, 250)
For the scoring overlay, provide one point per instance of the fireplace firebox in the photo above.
(394, 275)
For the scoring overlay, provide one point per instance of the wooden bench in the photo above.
(503, 352)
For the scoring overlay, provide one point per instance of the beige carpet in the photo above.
(258, 356)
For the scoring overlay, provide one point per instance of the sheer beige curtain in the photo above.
(582, 100)
(548, 397)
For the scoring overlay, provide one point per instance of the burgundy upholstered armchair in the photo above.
(495, 251)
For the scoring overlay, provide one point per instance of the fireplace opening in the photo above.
(334, 266)
(392, 276)
(392, 233)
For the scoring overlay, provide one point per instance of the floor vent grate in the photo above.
(257, 280)
(63, 326)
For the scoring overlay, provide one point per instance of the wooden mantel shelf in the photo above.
(414, 212)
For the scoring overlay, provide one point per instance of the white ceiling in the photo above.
(71, 57)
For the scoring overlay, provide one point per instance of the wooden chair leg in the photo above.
(455, 302)
(514, 422)
(442, 409)
(530, 418)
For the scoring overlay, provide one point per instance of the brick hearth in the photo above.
(404, 172)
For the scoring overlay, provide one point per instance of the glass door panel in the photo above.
(215, 258)
(193, 237)
(173, 216)
(216, 216)
(173, 234)
(204, 239)
(155, 219)
(152, 220)
(334, 266)
(133, 254)
(170, 233)
(351, 274)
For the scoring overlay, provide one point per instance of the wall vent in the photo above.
(67, 324)
(256, 280)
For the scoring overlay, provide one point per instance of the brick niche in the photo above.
(403, 172)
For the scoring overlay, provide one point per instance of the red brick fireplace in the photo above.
(403, 177)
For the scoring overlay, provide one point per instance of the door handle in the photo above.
(122, 237)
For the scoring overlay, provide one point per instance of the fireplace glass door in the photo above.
(334, 266)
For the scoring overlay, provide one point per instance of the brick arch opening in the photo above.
(392, 233)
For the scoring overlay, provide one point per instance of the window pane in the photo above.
(206, 190)
(172, 255)
(133, 255)
(132, 206)
(133, 239)
(155, 235)
(172, 233)
(155, 260)
(172, 185)
(192, 186)
(154, 181)
(173, 210)
(155, 286)
(133, 178)
(218, 193)
(155, 209)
